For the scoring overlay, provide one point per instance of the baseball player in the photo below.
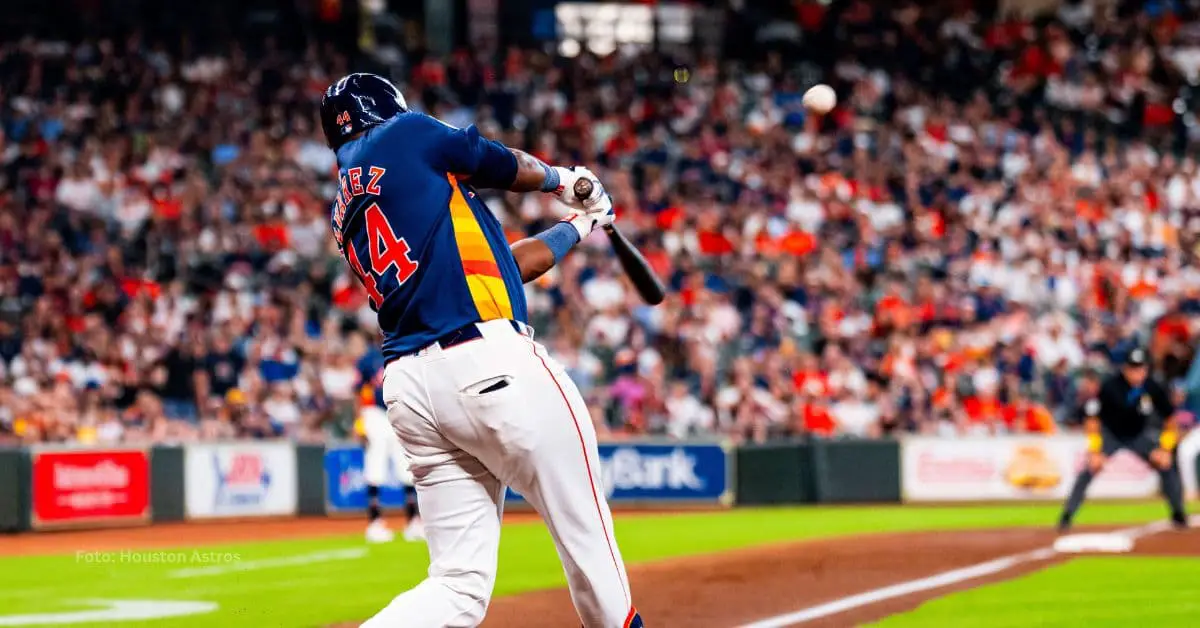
(475, 401)
(384, 459)
(1132, 411)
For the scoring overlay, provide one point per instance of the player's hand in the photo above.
(1161, 458)
(565, 192)
(1095, 461)
(585, 222)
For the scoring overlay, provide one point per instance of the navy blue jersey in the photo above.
(431, 255)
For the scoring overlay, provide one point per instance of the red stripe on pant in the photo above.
(591, 479)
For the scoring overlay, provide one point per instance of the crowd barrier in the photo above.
(50, 487)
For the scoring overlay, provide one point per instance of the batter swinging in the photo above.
(477, 404)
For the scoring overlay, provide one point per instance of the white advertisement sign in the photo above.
(1013, 467)
(240, 479)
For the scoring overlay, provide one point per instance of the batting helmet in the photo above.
(357, 102)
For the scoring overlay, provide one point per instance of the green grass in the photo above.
(1093, 591)
(321, 593)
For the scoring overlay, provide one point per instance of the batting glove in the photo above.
(587, 221)
(561, 183)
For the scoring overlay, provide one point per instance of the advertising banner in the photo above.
(655, 473)
(345, 489)
(247, 479)
(1013, 467)
(102, 485)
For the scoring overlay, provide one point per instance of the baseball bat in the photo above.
(648, 285)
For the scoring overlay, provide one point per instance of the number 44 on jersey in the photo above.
(390, 256)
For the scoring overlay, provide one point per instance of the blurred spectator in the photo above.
(998, 209)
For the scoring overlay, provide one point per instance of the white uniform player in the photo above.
(385, 464)
(477, 403)
(476, 417)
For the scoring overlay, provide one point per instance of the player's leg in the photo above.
(1172, 485)
(461, 502)
(526, 422)
(375, 475)
(377, 530)
(463, 505)
(414, 530)
(562, 481)
(1091, 467)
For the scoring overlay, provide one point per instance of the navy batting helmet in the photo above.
(357, 102)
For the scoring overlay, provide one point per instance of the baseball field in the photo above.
(834, 566)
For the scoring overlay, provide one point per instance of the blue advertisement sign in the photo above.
(637, 472)
(345, 488)
(629, 472)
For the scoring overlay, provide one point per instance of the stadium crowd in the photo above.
(997, 209)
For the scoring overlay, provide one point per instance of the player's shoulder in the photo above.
(414, 130)
(415, 121)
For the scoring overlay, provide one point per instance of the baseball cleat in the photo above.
(378, 532)
(414, 531)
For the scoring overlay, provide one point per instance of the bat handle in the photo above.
(583, 188)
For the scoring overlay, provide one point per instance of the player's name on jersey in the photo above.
(351, 184)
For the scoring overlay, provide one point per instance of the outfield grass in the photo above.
(355, 586)
(1090, 591)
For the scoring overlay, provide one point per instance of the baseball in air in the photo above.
(820, 99)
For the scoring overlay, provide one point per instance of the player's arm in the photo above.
(534, 258)
(531, 175)
(1168, 436)
(360, 430)
(1091, 424)
(487, 163)
(537, 255)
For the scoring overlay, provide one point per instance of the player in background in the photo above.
(477, 404)
(1132, 411)
(384, 460)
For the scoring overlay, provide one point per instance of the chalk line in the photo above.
(936, 581)
(271, 563)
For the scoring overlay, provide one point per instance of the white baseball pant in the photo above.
(532, 432)
(384, 460)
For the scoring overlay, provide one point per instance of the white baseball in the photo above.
(820, 99)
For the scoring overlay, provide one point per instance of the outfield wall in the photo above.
(55, 487)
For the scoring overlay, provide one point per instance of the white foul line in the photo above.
(936, 581)
(270, 563)
(905, 588)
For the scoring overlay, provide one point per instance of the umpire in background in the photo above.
(1132, 411)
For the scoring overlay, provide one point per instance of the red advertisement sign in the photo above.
(78, 486)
